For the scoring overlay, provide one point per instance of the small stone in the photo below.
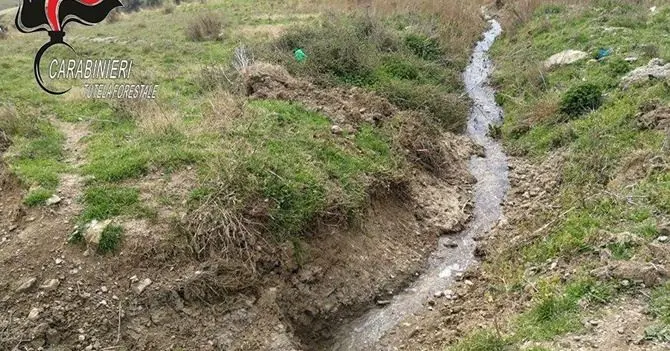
(383, 302)
(53, 200)
(662, 239)
(335, 129)
(438, 294)
(139, 287)
(34, 313)
(59, 261)
(89, 348)
(103, 289)
(26, 284)
(594, 323)
(50, 284)
(82, 337)
(93, 231)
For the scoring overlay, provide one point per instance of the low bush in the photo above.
(581, 99)
(205, 27)
(424, 47)
(448, 110)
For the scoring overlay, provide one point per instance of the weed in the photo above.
(581, 99)
(660, 304)
(618, 66)
(483, 341)
(424, 47)
(110, 239)
(205, 27)
(37, 197)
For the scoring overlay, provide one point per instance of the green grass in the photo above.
(37, 197)
(104, 202)
(35, 154)
(289, 156)
(110, 239)
(483, 341)
(597, 139)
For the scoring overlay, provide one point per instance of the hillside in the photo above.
(348, 175)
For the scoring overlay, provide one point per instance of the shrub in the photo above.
(205, 27)
(581, 99)
(618, 66)
(448, 110)
(169, 8)
(424, 47)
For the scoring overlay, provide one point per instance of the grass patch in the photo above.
(33, 151)
(289, 156)
(483, 341)
(110, 239)
(103, 202)
(37, 197)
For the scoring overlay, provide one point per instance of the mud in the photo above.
(448, 261)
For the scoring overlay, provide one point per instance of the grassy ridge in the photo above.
(598, 143)
(273, 152)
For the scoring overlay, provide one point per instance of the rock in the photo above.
(438, 294)
(383, 302)
(82, 337)
(631, 59)
(662, 239)
(103, 289)
(26, 285)
(565, 58)
(34, 314)
(655, 69)
(139, 287)
(50, 284)
(55, 199)
(651, 274)
(59, 261)
(93, 231)
(335, 129)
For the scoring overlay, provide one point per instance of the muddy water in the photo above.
(445, 263)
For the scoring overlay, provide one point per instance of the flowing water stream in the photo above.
(490, 189)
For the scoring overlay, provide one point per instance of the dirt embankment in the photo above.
(156, 295)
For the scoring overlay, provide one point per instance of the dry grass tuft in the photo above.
(114, 16)
(222, 279)
(224, 108)
(205, 27)
(459, 22)
(216, 229)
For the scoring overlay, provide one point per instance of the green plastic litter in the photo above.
(299, 55)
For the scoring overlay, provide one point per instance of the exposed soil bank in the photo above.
(447, 261)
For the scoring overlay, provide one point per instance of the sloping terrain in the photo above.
(249, 206)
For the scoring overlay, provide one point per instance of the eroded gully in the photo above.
(491, 173)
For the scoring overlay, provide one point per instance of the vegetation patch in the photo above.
(406, 67)
(110, 239)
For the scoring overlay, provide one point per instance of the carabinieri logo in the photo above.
(52, 16)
